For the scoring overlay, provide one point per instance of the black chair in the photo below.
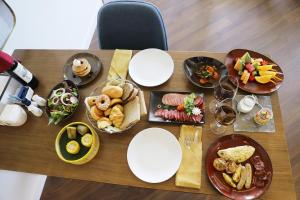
(131, 25)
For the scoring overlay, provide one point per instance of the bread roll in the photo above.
(113, 91)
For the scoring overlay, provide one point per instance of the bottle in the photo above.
(17, 70)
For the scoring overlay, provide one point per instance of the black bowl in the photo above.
(65, 83)
(190, 65)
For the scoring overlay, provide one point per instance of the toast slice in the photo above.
(142, 103)
(132, 113)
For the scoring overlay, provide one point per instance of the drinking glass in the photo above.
(226, 88)
(225, 114)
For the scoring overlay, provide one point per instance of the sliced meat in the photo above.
(258, 183)
(173, 99)
(177, 116)
(198, 101)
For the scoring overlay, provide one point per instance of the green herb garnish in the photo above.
(189, 103)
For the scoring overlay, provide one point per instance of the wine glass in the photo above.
(225, 115)
(227, 88)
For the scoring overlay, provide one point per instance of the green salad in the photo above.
(62, 103)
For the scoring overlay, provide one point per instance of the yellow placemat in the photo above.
(189, 172)
(119, 64)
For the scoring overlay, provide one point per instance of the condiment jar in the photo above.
(246, 104)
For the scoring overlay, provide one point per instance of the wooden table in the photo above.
(30, 148)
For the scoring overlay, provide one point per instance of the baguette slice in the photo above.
(142, 103)
(132, 113)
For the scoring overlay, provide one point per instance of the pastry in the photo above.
(91, 101)
(263, 116)
(71, 132)
(116, 116)
(96, 113)
(231, 167)
(73, 147)
(81, 67)
(115, 101)
(87, 140)
(113, 91)
(120, 107)
(107, 112)
(103, 122)
(103, 102)
(81, 129)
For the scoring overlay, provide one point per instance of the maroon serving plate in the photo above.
(216, 177)
(252, 87)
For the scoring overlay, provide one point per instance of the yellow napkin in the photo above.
(189, 173)
(119, 64)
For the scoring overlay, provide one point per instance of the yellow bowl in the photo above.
(85, 154)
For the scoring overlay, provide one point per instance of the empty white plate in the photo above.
(151, 67)
(154, 155)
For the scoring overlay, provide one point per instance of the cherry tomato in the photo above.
(180, 107)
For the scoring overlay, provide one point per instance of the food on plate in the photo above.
(71, 131)
(87, 140)
(207, 74)
(103, 102)
(256, 69)
(181, 107)
(243, 178)
(263, 116)
(81, 67)
(260, 176)
(62, 102)
(73, 147)
(82, 129)
(91, 101)
(104, 122)
(237, 154)
(131, 113)
(113, 91)
(229, 180)
(237, 174)
(219, 164)
(231, 167)
(115, 101)
(120, 107)
(96, 113)
(116, 116)
(116, 108)
(249, 176)
(127, 91)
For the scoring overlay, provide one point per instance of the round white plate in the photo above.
(154, 155)
(151, 67)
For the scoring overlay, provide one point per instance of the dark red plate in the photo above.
(252, 87)
(216, 177)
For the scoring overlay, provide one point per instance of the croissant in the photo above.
(116, 116)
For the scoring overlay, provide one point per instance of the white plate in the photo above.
(151, 67)
(154, 155)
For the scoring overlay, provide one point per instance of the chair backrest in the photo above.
(7, 22)
(131, 25)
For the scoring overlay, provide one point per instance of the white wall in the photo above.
(46, 24)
